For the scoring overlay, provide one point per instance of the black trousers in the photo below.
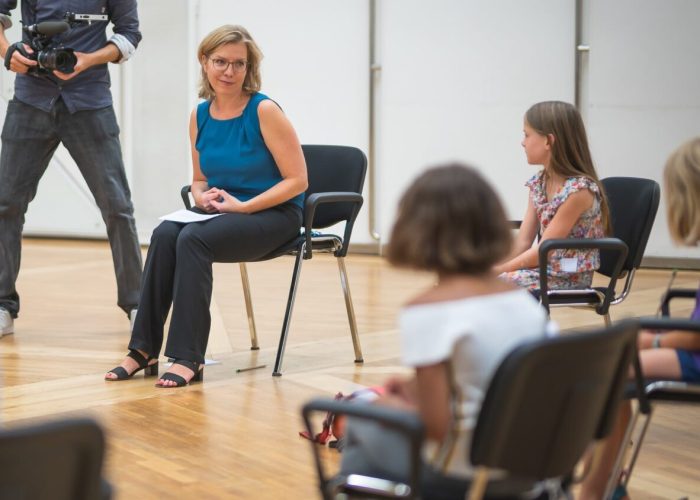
(178, 271)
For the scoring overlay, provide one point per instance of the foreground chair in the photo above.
(547, 401)
(633, 203)
(54, 461)
(336, 177)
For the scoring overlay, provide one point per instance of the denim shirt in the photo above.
(89, 89)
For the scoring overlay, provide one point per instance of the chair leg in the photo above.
(614, 478)
(249, 308)
(478, 484)
(638, 446)
(277, 372)
(351, 310)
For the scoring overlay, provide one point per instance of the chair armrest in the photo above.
(405, 422)
(674, 293)
(316, 199)
(615, 245)
(654, 323)
(185, 192)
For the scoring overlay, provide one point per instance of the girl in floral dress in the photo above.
(566, 200)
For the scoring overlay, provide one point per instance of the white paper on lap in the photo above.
(186, 216)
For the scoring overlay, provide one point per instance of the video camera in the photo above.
(46, 52)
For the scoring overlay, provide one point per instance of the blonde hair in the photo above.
(224, 35)
(682, 192)
(571, 156)
(450, 221)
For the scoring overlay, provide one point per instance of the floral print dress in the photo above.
(566, 268)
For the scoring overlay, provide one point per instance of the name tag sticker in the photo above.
(569, 265)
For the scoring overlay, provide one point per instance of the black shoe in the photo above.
(150, 370)
(180, 381)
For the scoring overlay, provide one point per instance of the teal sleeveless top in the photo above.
(233, 155)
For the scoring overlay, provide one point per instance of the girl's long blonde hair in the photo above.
(682, 192)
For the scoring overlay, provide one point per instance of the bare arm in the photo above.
(200, 188)
(433, 398)
(282, 141)
(568, 213)
(674, 339)
(526, 236)
(19, 63)
(428, 394)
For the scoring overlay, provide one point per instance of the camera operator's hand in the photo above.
(84, 61)
(19, 63)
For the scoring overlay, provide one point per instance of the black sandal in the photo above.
(180, 381)
(150, 370)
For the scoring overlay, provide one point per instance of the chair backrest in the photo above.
(550, 398)
(633, 203)
(57, 461)
(334, 169)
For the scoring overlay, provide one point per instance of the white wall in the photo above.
(642, 82)
(456, 78)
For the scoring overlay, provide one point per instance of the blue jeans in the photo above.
(29, 138)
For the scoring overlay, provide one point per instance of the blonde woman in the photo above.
(247, 165)
(663, 355)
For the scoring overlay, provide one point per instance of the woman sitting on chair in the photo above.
(673, 355)
(247, 165)
(450, 222)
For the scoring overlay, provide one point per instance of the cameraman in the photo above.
(74, 109)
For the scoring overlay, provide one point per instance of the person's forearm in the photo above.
(283, 191)
(674, 339)
(108, 53)
(4, 43)
(528, 259)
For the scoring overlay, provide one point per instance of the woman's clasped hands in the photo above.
(218, 200)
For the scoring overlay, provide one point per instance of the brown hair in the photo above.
(571, 156)
(224, 35)
(450, 221)
(682, 192)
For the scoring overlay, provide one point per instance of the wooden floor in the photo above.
(235, 434)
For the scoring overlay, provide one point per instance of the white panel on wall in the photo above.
(643, 95)
(457, 77)
(160, 75)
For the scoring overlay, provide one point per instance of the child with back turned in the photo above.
(671, 355)
(450, 222)
(566, 200)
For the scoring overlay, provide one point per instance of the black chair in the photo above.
(53, 461)
(547, 401)
(336, 177)
(633, 203)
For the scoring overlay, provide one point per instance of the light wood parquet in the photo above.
(236, 434)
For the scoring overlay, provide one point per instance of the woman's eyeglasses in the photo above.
(222, 65)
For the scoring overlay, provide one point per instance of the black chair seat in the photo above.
(574, 297)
